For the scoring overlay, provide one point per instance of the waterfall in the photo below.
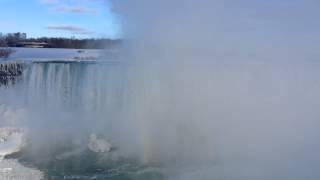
(70, 95)
(73, 85)
(209, 115)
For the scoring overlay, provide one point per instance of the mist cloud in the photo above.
(225, 88)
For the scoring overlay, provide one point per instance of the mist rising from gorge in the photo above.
(228, 86)
(203, 90)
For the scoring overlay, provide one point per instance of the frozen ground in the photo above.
(13, 170)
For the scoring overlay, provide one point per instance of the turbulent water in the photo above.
(61, 104)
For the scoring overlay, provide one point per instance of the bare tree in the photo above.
(5, 51)
(3, 42)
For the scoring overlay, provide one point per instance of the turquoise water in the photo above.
(88, 165)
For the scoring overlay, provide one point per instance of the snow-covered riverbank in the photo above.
(11, 141)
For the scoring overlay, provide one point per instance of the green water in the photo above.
(85, 165)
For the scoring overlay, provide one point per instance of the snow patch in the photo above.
(11, 141)
(12, 170)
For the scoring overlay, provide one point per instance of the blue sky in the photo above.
(94, 18)
(59, 18)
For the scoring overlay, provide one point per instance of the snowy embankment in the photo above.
(13, 170)
(11, 141)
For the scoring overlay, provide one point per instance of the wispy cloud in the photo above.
(70, 28)
(75, 9)
(70, 6)
(50, 2)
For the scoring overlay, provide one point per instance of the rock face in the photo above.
(98, 145)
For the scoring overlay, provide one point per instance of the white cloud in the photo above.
(50, 2)
(69, 6)
(75, 9)
(70, 28)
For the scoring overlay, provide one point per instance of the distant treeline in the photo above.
(62, 42)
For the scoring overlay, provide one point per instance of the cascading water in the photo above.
(204, 91)
(73, 86)
(66, 104)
